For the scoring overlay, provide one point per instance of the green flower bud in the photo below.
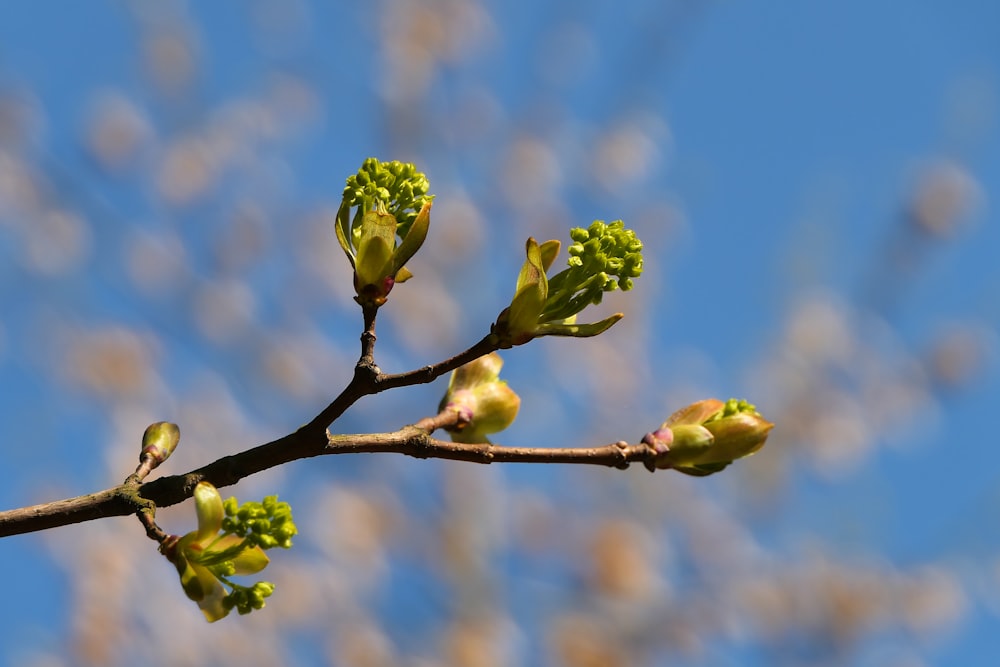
(260, 591)
(267, 524)
(284, 533)
(484, 403)
(159, 442)
(264, 540)
(705, 437)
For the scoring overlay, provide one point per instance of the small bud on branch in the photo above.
(483, 402)
(707, 436)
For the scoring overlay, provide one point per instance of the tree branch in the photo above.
(411, 440)
(110, 502)
(134, 497)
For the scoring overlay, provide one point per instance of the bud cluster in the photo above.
(245, 599)
(266, 524)
(603, 258)
(390, 199)
(230, 540)
(398, 185)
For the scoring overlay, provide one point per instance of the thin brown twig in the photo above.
(429, 373)
(415, 442)
(368, 379)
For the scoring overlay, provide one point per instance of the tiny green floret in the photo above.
(245, 599)
(734, 407)
(267, 524)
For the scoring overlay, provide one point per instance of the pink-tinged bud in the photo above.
(373, 251)
(689, 443)
(659, 440)
(489, 408)
(159, 442)
(484, 403)
(707, 436)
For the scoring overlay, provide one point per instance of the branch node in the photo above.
(147, 517)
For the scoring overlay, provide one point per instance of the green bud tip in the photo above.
(159, 441)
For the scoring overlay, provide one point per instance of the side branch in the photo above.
(413, 441)
(429, 373)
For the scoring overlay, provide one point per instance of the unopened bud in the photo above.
(738, 435)
(484, 403)
(159, 442)
(707, 436)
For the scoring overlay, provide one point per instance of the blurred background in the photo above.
(812, 182)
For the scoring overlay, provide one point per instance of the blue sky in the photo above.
(772, 154)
